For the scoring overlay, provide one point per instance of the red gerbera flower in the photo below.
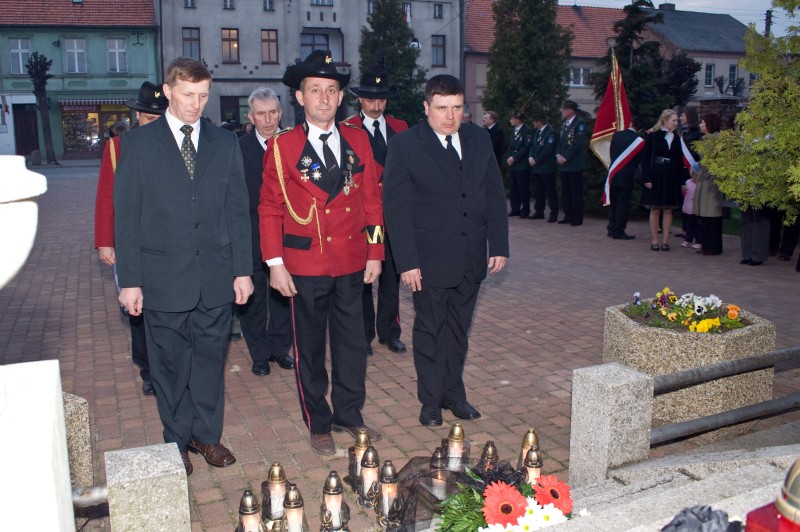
(551, 490)
(503, 504)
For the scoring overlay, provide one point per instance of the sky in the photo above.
(746, 11)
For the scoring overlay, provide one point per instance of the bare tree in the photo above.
(38, 69)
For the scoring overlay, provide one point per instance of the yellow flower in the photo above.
(672, 316)
(693, 326)
(666, 290)
(673, 298)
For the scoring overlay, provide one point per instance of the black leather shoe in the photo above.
(261, 368)
(430, 416)
(552, 220)
(461, 409)
(745, 261)
(147, 388)
(284, 361)
(575, 224)
(513, 213)
(623, 236)
(564, 221)
(537, 216)
(369, 349)
(395, 346)
(756, 263)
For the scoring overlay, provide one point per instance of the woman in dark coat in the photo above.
(663, 173)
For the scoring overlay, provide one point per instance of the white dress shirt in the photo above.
(175, 126)
(456, 141)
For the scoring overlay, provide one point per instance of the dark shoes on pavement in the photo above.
(430, 416)
(187, 464)
(536, 216)
(323, 443)
(147, 388)
(395, 346)
(261, 368)
(284, 361)
(217, 455)
(623, 236)
(461, 409)
(374, 435)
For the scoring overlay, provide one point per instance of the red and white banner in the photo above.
(624, 158)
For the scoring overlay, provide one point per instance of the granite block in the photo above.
(79, 446)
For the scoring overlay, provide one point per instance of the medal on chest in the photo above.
(349, 184)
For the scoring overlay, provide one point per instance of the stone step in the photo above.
(599, 497)
(625, 511)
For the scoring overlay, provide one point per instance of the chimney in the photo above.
(666, 7)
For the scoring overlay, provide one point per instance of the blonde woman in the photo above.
(663, 174)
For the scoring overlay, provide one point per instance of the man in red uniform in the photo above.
(149, 105)
(322, 238)
(372, 95)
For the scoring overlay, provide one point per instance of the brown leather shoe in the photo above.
(374, 435)
(217, 455)
(323, 443)
(187, 464)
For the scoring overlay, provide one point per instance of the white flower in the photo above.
(495, 528)
(529, 521)
(583, 512)
(550, 516)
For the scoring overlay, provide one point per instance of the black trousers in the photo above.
(711, 233)
(618, 210)
(520, 191)
(755, 235)
(332, 304)
(139, 346)
(544, 189)
(441, 327)
(388, 318)
(265, 319)
(572, 196)
(187, 359)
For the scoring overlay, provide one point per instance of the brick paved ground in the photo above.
(534, 324)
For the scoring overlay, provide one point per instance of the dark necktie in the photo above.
(378, 135)
(451, 149)
(330, 158)
(187, 149)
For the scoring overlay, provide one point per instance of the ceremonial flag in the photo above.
(688, 158)
(624, 158)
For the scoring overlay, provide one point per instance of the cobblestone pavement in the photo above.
(535, 323)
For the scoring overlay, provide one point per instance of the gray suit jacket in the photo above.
(436, 211)
(177, 238)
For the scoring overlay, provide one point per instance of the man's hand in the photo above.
(510, 161)
(243, 288)
(412, 279)
(560, 159)
(281, 280)
(372, 271)
(131, 299)
(531, 161)
(106, 256)
(648, 185)
(496, 264)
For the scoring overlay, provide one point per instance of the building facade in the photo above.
(101, 53)
(248, 43)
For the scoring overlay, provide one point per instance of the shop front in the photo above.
(85, 124)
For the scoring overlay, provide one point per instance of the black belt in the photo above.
(661, 160)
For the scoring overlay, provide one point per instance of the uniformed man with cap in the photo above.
(519, 143)
(372, 93)
(322, 237)
(571, 162)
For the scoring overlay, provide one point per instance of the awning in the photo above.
(93, 101)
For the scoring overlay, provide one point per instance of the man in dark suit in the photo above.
(265, 318)
(621, 185)
(184, 255)
(372, 94)
(495, 133)
(542, 158)
(519, 144)
(444, 200)
(571, 162)
(322, 237)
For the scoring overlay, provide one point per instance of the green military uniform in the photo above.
(520, 176)
(571, 146)
(543, 153)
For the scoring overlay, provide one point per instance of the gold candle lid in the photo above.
(333, 484)
(489, 452)
(293, 498)
(362, 440)
(456, 433)
(530, 440)
(276, 474)
(248, 505)
(788, 501)
(532, 458)
(388, 473)
(370, 458)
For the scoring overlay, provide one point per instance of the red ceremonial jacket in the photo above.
(393, 126)
(318, 226)
(104, 203)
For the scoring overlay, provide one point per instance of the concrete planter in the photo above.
(657, 351)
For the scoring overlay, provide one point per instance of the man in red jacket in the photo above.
(149, 105)
(372, 95)
(322, 237)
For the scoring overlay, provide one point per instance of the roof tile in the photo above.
(85, 13)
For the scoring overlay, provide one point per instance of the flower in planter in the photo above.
(689, 312)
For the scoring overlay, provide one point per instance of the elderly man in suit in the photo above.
(372, 93)
(490, 119)
(444, 201)
(184, 255)
(149, 104)
(322, 238)
(265, 317)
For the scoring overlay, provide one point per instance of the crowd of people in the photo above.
(287, 225)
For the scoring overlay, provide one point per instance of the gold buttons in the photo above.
(327, 211)
(347, 209)
(329, 239)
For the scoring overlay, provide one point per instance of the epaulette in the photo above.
(282, 131)
(351, 117)
(348, 124)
